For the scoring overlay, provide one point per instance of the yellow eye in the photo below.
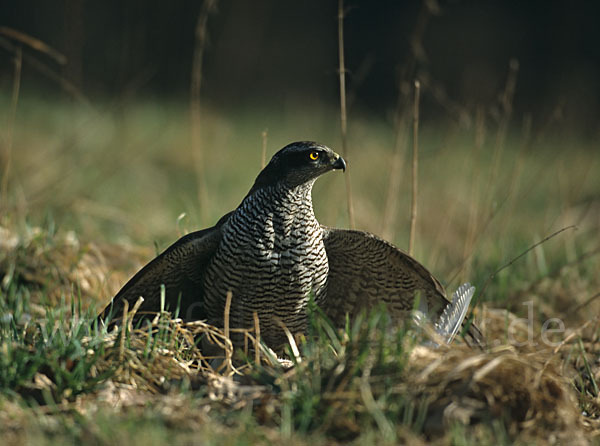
(314, 156)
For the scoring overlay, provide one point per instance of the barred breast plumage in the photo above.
(272, 254)
(271, 257)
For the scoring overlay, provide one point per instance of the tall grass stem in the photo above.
(208, 6)
(263, 153)
(343, 111)
(415, 170)
(10, 129)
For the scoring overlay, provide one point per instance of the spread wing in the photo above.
(365, 270)
(180, 269)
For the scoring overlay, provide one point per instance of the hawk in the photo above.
(273, 255)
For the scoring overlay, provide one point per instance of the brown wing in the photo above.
(365, 270)
(180, 269)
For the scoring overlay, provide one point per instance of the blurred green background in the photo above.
(97, 134)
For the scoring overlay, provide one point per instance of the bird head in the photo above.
(299, 163)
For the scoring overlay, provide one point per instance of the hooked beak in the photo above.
(339, 164)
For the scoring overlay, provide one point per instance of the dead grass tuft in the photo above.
(524, 390)
(62, 267)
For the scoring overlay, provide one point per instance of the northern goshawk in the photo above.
(272, 254)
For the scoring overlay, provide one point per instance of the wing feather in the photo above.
(180, 269)
(365, 270)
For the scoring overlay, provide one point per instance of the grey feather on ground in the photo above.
(453, 316)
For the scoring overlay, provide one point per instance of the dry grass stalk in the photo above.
(585, 303)
(514, 259)
(291, 340)
(389, 211)
(34, 43)
(366, 393)
(45, 70)
(135, 309)
(343, 113)
(506, 104)
(4, 201)
(263, 153)
(474, 199)
(417, 53)
(415, 170)
(227, 311)
(123, 330)
(257, 331)
(195, 111)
